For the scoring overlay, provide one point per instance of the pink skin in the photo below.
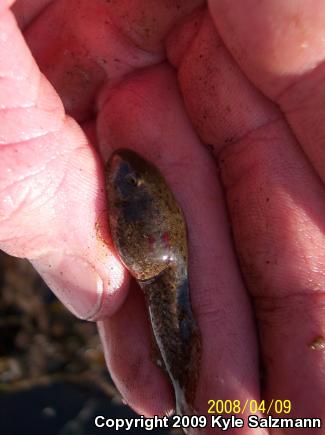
(248, 81)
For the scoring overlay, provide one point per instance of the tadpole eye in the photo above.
(132, 179)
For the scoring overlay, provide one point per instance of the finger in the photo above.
(94, 43)
(52, 202)
(158, 128)
(273, 198)
(5, 5)
(285, 57)
(147, 23)
(274, 202)
(27, 10)
(127, 346)
(204, 65)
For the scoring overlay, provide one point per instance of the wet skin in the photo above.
(149, 233)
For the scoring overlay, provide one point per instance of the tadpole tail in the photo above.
(176, 333)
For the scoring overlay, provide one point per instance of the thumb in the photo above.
(52, 201)
(5, 4)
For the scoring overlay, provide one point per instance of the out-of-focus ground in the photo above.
(53, 377)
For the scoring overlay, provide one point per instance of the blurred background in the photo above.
(53, 377)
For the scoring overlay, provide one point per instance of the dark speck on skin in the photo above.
(150, 236)
(318, 344)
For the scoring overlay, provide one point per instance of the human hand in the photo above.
(108, 64)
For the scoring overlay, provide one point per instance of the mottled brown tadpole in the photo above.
(149, 233)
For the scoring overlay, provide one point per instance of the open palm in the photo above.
(227, 99)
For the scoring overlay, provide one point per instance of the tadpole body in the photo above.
(149, 233)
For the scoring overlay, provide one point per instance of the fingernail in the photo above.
(74, 281)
